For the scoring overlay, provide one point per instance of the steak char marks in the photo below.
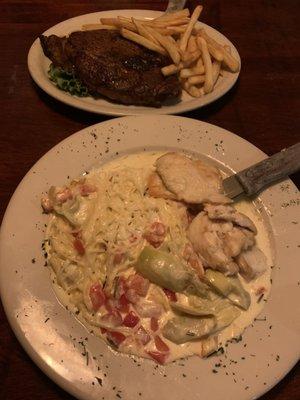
(114, 67)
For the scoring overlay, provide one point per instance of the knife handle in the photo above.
(274, 168)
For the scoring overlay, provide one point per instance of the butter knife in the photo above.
(175, 5)
(252, 180)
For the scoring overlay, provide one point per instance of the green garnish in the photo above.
(67, 81)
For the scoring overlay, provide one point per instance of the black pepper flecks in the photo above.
(260, 319)
(260, 298)
(99, 380)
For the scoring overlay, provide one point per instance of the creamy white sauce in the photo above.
(144, 161)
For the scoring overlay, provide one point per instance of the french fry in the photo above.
(215, 53)
(208, 84)
(92, 27)
(142, 41)
(144, 32)
(167, 44)
(173, 15)
(188, 72)
(166, 31)
(176, 30)
(196, 80)
(228, 59)
(110, 21)
(200, 63)
(171, 23)
(127, 24)
(190, 57)
(173, 41)
(192, 44)
(171, 69)
(192, 90)
(216, 68)
(119, 23)
(151, 22)
(192, 22)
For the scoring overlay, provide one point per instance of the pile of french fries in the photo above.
(196, 57)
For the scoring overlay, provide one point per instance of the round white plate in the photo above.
(38, 66)
(74, 358)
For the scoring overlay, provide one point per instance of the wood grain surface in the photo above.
(263, 108)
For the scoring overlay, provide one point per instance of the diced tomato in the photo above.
(63, 195)
(86, 189)
(103, 330)
(79, 247)
(110, 304)
(260, 290)
(132, 296)
(158, 228)
(113, 318)
(160, 345)
(142, 335)
(197, 265)
(170, 294)
(47, 204)
(131, 319)
(155, 235)
(116, 337)
(97, 296)
(118, 258)
(153, 239)
(77, 234)
(159, 357)
(121, 287)
(133, 238)
(154, 324)
(187, 251)
(192, 258)
(123, 304)
(139, 284)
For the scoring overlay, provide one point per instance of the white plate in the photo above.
(29, 300)
(38, 66)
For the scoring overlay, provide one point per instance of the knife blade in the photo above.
(175, 5)
(252, 180)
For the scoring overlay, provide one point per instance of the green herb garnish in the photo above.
(67, 81)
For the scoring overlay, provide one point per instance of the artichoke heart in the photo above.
(182, 329)
(166, 271)
(229, 287)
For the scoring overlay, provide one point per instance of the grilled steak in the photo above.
(112, 66)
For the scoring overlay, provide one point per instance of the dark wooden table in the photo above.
(263, 108)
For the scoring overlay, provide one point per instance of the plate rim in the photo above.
(116, 109)
(37, 359)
